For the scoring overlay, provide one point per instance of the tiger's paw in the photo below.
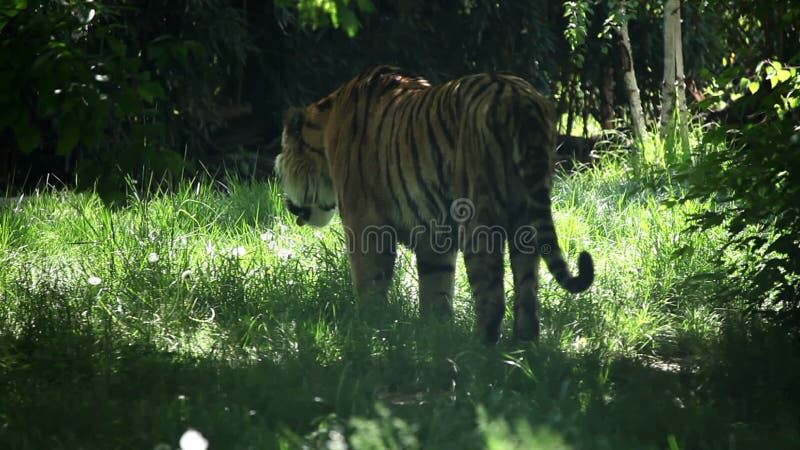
(526, 326)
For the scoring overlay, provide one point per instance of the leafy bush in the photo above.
(753, 171)
(321, 14)
(122, 83)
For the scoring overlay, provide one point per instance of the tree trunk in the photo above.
(607, 98)
(629, 77)
(673, 94)
(683, 113)
(571, 104)
(563, 103)
(585, 111)
(671, 9)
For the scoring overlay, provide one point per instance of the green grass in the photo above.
(206, 308)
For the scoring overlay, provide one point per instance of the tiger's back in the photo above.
(402, 155)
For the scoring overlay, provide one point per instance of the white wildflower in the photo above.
(285, 253)
(336, 441)
(268, 236)
(239, 251)
(95, 281)
(193, 440)
(152, 257)
(186, 274)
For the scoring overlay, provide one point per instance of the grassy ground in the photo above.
(206, 308)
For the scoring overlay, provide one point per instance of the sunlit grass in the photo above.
(205, 307)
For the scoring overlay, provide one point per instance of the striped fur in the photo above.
(396, 154)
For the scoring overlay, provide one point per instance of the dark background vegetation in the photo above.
(91, 87)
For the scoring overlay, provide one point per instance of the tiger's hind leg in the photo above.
(436, 271)
(525, 266)
(483, 257)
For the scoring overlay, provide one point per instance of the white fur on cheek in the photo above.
(291, 191)
(279, 166)
(302, 182)
(319, 217)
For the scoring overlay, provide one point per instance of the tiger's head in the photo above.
(302, 167)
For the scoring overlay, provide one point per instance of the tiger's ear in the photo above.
(293, 121)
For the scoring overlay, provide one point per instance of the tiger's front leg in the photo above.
(372, 253)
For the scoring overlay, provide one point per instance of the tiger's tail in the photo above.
(533, 158)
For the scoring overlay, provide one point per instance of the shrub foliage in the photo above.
(752, 171)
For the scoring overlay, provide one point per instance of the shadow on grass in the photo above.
(66, 386)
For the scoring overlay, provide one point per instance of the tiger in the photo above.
(464, 165)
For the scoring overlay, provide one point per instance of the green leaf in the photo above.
(349, 21)
(7, 12)
(365, 6)
(150, 91)
(784, 75)
(743, 83)
(672, 442)
(753, 86)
